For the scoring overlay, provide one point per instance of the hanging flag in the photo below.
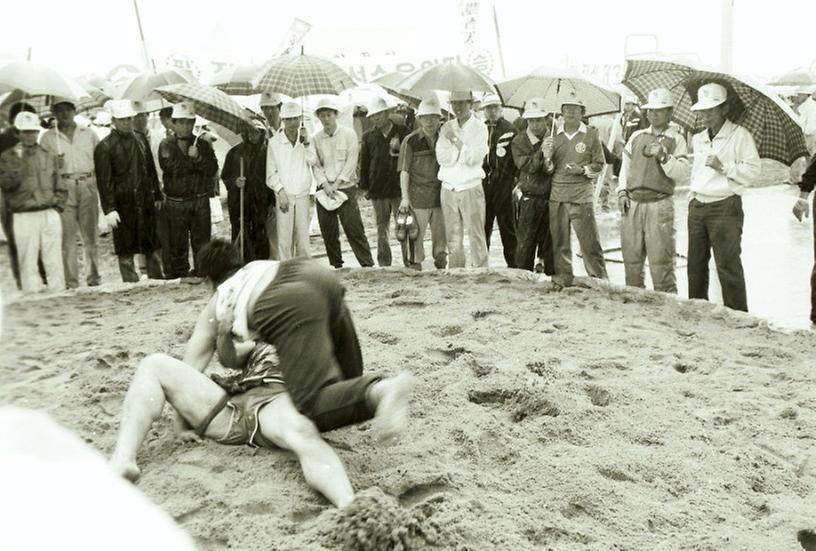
(294, 36)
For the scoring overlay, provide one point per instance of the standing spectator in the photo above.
(654, 161)
(74, 147)
(149, 263)
(578, 157)
(162, 223)
(35, 195)
(460, 150)
(270, 104)
(8, 139)
(420, 186)
(289, 157)
(129, 191)
(626, 123)
(800, 209)
(189, 166)
(532, 153)
(335, 170)
(379, 177)
(807, 116)
(258, 198)
(500, 178)
(726, 161)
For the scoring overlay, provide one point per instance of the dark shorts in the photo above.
(244, 427)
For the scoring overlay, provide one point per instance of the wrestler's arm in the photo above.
(201, 346)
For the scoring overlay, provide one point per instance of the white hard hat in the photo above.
(121, 109)
(429, 107)
(183, 111)
(491, 99)
(26, 121)
(102, 118)
(534, 109)
(327, 103)
(659, 98)
(270, 99)
(460, 95)
(710, 95)
(378, 105)
(291, 110)
(572, 99)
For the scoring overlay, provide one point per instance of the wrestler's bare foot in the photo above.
(127, 469)
(393, 395)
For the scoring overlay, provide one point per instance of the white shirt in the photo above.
(233, 295)
(735, 148)
(807, 116)
(78, 151)
(462, 169)
(336, 157)
(289, 167)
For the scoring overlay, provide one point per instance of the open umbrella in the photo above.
(236, 80)
(770, 120)
(390, 83)
(298, 75)
(142, 87)
(451, 77)
(34, 79)
(210, 103)
(553, 84)
(94, 99)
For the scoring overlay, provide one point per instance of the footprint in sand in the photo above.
(384, 338)
(598, 396)
(445, 355)
(612, 473)
(448, 331)
(544, 367)
(424, 492)
(605, 364)
(521, 403)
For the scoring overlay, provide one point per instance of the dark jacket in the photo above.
(534, 178)
(498, 166)
(378, 167)
(809, 177)
(31, 182)
(186, 178)
(127, 182)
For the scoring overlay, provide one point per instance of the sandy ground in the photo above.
(592, 417)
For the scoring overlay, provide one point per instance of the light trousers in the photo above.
(563, 217)
(430, 217)
(39, 233)
(647, 231)
(293, 228)
(464, 211)
(80, 216)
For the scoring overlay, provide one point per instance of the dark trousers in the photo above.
(188, 223)
(130, 272)
(499, 207)
(386, 210)
(6, 219)
(813, 273)
(303, 314)
(533, 233)
(163, 238)
(348, 214)
(717, 226)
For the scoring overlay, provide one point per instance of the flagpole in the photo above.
(148, 61)
(498, 41)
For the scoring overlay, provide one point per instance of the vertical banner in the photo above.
(477, 51)
(294, 36)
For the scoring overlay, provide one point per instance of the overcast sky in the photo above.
(93, 36)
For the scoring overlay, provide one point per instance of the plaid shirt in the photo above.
(498, 165)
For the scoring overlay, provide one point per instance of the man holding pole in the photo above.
(248, 198)
(189, 167)
(74, 147)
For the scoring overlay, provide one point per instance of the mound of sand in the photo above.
(590, 417)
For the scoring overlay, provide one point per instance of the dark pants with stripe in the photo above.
(302, 313)
(188, 223)
(717, 226)
(499, 207)
(533, 233)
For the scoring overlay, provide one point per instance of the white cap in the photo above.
(429, 107)
(121, 109)
(331, 202)
(460, 95)
(630, 98)
(26, 121)
(491, 99)
(572, 99)
(183, 111)
(56, 100)
(534, 109)
(659, 98)
(710, 95)
(140, 107)
(270, 99)
(102, 118)
(291, 110)
(378, 105)
(327, 103)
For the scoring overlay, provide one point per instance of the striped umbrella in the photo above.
(236, 80)
(770, 120)
(210, 103)
(298, 75)
(450, 77)
(142, 87)
(553, 84)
